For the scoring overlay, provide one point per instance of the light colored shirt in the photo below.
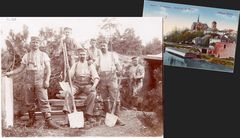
(35, 60)
(80, 69)
(108, 61)
(95, 54)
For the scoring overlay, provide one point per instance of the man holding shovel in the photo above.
(85, 80)
(71, 45)
(38, 71)
(109, 89)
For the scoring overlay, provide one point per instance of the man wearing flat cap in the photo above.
(85, 80)
(38, 71)
(108, 85)
(137, 73)
(71, 45)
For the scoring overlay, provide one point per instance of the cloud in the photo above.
(160, 11)
(227, 15)
(190, 10)
(186, 9)
(163, 11)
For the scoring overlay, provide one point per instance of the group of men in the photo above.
(92, 68)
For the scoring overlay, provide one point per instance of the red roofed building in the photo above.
(224, 50)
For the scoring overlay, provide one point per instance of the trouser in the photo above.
(89, 102)
(71, 60)
(35, 92)
(137, 87)
(108, 107)
(71, 57)
(109, 89)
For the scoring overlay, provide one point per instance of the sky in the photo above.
(182, 16)
(84, 28)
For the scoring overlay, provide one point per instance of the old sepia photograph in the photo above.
(85, 76)
(195, 36)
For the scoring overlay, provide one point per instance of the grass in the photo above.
(229, 62)
(39, 129)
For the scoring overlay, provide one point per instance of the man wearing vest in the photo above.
(38, 71)
(108, 85)
(85, 80)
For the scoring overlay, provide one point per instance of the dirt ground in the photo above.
(135, 126)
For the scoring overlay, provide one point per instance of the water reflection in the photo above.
(173, 60)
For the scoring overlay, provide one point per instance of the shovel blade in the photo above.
(65, 86)
(111, 120)
(76, 120)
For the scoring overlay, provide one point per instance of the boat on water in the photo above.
(185, 53)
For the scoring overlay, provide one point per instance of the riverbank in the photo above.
(173, 60)
(195, 54)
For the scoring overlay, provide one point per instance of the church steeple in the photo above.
(198, 19)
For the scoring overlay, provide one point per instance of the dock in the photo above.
(176, 51)
(180, 52)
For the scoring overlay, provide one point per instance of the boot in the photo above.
(32, 119)
(89, 118)
(49, 122)
(120, 123)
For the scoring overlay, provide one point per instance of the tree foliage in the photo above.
(183, 35)
(153, 47)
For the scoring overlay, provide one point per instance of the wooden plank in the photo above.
(56, 112)
(55, 108)
(7, 101)
(60, 102)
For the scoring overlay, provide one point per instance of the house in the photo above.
(224, 50)
(153, 62)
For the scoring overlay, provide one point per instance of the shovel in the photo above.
(111, 118)
(76, 119)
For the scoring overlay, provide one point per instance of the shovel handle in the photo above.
(114, 107)
(115, 103)
(69, 78)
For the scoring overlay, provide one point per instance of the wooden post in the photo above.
(7, 101)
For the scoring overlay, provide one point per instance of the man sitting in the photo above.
(85, 79)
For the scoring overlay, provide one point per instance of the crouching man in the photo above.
(38, 71)
(85, 79)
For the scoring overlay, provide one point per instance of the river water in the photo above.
(173, 60)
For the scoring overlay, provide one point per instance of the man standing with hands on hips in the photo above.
(38, 71)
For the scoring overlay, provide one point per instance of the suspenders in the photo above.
(29, 59)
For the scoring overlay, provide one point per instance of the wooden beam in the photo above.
(7, 101)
